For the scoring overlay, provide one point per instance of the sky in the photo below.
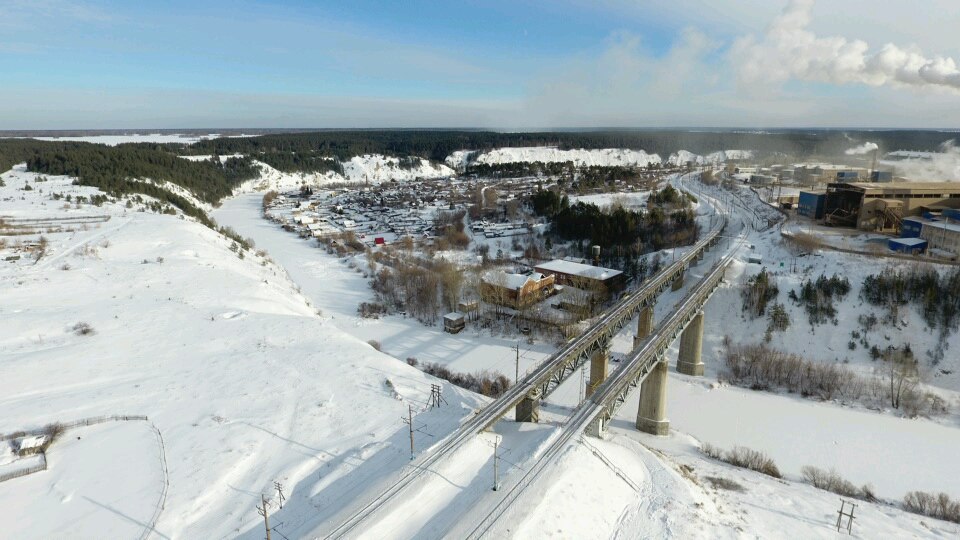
(504, 64)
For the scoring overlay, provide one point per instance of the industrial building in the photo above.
(882, 206)
(910, 246)
(810, 204)
(942, 236)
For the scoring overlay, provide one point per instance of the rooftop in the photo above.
(908, 241)
(906, 186)
(511, 281)
(953, 227)
(576, 269)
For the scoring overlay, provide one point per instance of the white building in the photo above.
(940, 235)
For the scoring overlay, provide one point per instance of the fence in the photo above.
(29, 470)
(49, 429)
(69, 425)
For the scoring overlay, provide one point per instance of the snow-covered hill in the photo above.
(365, 169)
(245, 382)
(607, 157)
(682, 157)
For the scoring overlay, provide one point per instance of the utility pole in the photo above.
(279, 487)
(409, 421)
(516, 379)
(262, 510)
(496, 466)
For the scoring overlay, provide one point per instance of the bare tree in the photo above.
(451, 282)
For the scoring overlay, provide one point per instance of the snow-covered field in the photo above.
(245, 382)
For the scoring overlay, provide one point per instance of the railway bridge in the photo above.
(594, 344)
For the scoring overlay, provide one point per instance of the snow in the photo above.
(30, 441)
(810, 433)
(248, 385)
(682, 157)
(376, 168)
(458, 160)
(113, 140)
(607, 157)
(331, 284)
(576, 269)
(368, 168)
(208, 157)
(245, 382)
(103, 481)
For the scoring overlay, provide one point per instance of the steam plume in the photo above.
(864, 148)
(790, 50)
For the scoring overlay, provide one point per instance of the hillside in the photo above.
(136, 313)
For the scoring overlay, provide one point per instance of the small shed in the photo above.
(454, 322)
(910, 246)
(468, 305)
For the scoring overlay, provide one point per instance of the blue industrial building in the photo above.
(911, 227)
(811, 204)
(881, 176)
(911, 246)
(951, 213)
(848, 176)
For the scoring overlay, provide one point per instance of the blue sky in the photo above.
(364, 63)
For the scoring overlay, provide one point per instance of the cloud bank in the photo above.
(789, 50)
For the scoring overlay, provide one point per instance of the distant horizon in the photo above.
(268, 130)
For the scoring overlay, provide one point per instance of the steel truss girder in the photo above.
(570, 361)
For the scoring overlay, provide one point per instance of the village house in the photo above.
(516, 290)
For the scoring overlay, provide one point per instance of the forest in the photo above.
(112, 168)
(438, 144)
(624, 234)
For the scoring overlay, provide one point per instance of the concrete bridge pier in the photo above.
(689, 361)
(644, 325)
(528, 410)
(678, 282)
(651, 418)
(599, 366)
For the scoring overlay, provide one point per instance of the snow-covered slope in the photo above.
(245, 382)
(682, 157)
(376, 168)
(550, 154)
(607, 157)
(458, 160)
(368, 168)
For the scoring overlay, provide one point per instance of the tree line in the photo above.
(115, 169)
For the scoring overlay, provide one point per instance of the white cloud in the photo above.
(790, 50)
